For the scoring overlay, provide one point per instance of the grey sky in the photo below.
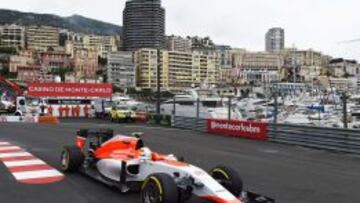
(318, 24)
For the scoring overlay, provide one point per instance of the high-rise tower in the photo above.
(275, 40)
(144, 24)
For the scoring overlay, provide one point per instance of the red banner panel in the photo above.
(69, 90)
(246, 129)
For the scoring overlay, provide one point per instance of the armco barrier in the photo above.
(341, 140)
(190, 123)
(164, 120)
(29, 119)
(19, 119)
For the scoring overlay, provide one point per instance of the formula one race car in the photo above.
(127, 164)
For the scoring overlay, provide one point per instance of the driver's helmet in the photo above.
(145, 153)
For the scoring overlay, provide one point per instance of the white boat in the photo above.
(124, 100)
(211, 105)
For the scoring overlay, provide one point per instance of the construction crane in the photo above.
(349, 41)
(11, 86)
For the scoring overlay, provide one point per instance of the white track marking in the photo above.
(10, 164)
(37, 174)
(8, 148)
(15, 154)
(27, 168)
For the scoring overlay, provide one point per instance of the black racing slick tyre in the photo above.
(159, 188)
(228, 178)
(71, 159)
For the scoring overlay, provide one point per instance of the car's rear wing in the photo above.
(96, 132)
(97, 136)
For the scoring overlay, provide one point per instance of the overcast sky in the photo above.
(317, 24)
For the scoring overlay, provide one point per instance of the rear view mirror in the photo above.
(137, 134)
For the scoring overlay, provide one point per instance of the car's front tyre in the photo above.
(159, 188)
(229, 179)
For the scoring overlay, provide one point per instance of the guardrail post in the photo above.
(174, 107)
(345, 119)
(229, 110)
(158, 82)
(276, 108)
(198, 108)
(174, 113)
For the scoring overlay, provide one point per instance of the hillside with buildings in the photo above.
(73, 23)
(41, 47)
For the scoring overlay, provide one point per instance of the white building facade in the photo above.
(121, 69)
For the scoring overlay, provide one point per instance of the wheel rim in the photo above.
(152, 194)
(65, 160)
(221, 177)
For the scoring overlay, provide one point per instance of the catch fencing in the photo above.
(340, 140)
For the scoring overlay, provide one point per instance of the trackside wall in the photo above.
(341, 140)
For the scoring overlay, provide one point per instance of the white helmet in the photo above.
(145, 153)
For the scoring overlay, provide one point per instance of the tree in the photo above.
(347, 75)
(62, 72)
(102, 61)
(5, 70)
(50, 49)
(8, 50)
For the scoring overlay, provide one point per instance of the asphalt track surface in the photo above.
(289, 174)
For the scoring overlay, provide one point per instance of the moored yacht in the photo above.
(211, 105)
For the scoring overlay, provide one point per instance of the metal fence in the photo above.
(341, 140)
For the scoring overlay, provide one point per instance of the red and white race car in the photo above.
(126, 163)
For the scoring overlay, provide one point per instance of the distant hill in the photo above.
(73, 23)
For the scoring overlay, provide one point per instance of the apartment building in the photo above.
(343, 68)
(85, 64)
(177, 43)
(309, 64)
(201, 44)
(24, 58)
(258, 67)
(146, 61)
(41, 38)
(12, 36)
(121, 69)
(29, 73)
(101, 44)
(206, 69)
(52, 60)
(178, 70)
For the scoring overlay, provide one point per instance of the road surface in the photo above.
(290, 174)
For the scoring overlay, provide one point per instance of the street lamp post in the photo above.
(158, 83)
(345, 115)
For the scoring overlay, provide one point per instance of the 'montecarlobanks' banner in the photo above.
(246, 129)
(69, 90)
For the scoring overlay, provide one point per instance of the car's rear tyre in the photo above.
(159, 188)
(229, 178)
(71, 158)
